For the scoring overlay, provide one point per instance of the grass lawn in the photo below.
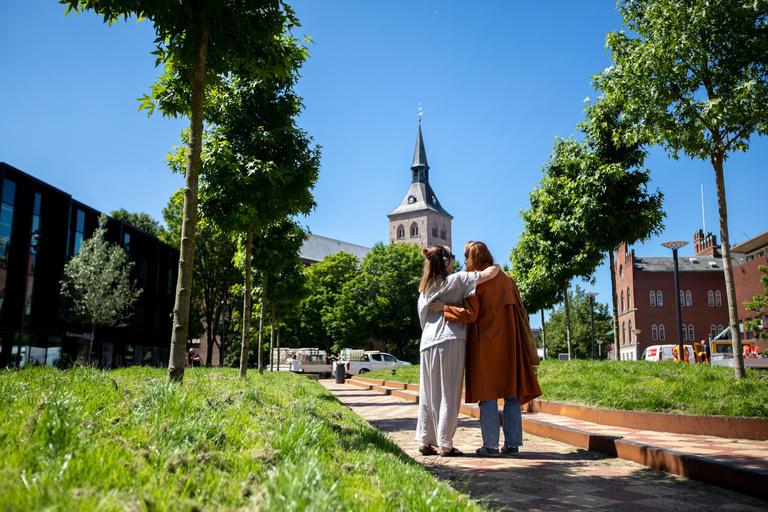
(642, 386)
(84, 439)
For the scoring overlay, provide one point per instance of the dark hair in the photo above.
(434, 266)
(476, 255)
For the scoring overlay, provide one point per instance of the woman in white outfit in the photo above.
(443, 350)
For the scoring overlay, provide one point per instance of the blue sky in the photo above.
(497, 84)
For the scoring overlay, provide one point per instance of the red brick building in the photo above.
(749, 255)
(646, 295)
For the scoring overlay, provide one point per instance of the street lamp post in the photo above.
(636, 332)
(599, 349)
(675, 246)
(591, 296)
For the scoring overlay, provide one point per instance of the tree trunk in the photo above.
(184, 281)
(260, 351)
(614, 299)
(272, 339)
(246, 304)
(90, 345)
(568, 322)
(730, 290)
(543, 334)
(278, 342)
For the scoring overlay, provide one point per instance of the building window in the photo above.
(713, 330)
(682, 298)
(621, 271)
(691, 336)
(434, 231)
(710, 298)
(684, 332)
(661, 332)
(718, 299)
(414, 230)
(719, 329)
(6, 223)
(623, 333)
(688, 299)
(659, 299)
(442, 234)
(400, 231)
(79, 231)
(629, 301)
(654, 332)
(629, 331)
(653, 299)
(622, 301)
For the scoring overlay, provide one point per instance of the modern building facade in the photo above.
(749, 256)
(41, 228)
(420, 219)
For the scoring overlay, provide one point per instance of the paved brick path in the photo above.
(547, 475)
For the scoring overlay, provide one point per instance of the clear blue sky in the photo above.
(497, 84)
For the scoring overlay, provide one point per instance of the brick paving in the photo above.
(549, 475)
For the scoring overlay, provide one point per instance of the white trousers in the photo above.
(440, 386)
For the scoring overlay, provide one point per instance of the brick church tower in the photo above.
(420, 219)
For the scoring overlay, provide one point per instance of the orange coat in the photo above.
(497, 363)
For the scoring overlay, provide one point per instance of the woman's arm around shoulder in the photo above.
(489, 273)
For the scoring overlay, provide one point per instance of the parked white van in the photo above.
(665, 353)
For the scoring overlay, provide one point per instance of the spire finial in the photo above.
(420, 112)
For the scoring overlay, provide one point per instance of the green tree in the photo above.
(693, 76)
(274, 250)
(760, 305)
(213, 273)
(615, 203)
(141, 221)
(285, 294)
(96, 284)
(325, 282)
(199, 42)
(258, 167)
(380, 301)
(581, 328)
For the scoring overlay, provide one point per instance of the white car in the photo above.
(370, 361)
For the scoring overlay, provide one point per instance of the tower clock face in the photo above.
(411, 199)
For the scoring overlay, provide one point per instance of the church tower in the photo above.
(420, 219)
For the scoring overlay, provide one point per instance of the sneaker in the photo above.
(512, 450)
(484, 451)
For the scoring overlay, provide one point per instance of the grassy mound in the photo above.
(642, 386)
(129, 440)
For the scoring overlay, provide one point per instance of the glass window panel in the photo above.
(80, 226)
(9, 192)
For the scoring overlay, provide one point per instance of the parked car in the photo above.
(313, 360)
(369, 361)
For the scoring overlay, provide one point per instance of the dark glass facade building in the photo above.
(41, 228)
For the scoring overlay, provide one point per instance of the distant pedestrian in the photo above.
(294, 364)
(498, 365)
(442, 350)
(194, 359)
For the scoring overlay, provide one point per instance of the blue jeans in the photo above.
(513, 423)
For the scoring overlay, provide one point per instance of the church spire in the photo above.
(420, 168)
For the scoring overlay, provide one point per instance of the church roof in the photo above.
(318, 247)
(420, 196)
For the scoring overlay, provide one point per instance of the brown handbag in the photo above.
(526, 334)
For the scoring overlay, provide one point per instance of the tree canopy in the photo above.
(693, 78)
(142, 221)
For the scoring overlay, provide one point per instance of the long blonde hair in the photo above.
(434, 266)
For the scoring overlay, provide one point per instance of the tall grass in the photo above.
(84, 439)
(662, 386)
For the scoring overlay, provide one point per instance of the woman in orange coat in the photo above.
(497, 363)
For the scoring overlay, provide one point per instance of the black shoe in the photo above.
(453, 452)
(427, 450)
(512, 450)
(484, 451)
